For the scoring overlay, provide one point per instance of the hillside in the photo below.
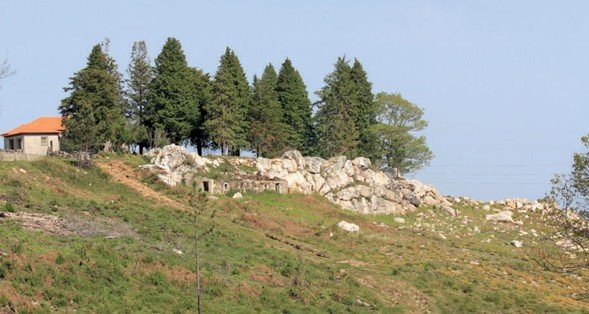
(109, 239)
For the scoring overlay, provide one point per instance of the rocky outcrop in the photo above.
(353, 184)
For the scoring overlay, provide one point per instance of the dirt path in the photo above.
(127, 175)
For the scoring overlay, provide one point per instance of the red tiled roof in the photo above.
(43, 125)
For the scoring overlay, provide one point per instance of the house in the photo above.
(38, 137)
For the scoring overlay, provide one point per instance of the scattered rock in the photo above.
(503, 216)
(451, 211)
(487, 207)
(399, 220)
(237, 195)
(517, 243)
(177, 251)
(347, 226)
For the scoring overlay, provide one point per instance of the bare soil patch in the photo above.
(127, 175)
(72, 225)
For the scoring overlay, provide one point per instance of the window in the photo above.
(44, 141)
(11, 144)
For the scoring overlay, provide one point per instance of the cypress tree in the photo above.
(364, 112)
(337, 133)
(172, 102)
(226, 122)
(93, 112)
(268, 132)
(140, 74)
(294, 99)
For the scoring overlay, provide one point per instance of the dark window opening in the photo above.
(11, 144)
(226, 186)
(277, 187)
(205, 186)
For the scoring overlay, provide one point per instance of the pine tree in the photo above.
(267, 132)
(140, 74)
(364, 112)
(337, 133)
(173, 105)
(201, 88)
(93, 112)
(226, 122)
(297, 108)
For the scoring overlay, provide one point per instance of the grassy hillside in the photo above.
(112, 249)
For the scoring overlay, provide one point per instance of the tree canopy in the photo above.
(268, 133)
(173, 105)
(226, 122)
(93, 112)
(297, 109)
(398, 121)
(176, 103)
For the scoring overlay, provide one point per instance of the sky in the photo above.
(504, 84)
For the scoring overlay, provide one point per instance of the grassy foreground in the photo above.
(115, 250)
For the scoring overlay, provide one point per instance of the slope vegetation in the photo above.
(113, 239)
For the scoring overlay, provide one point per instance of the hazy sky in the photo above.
(505, 84)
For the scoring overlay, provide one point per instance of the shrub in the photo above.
(8, 207)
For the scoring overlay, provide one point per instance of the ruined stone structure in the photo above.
(246, 185)
(353, 184)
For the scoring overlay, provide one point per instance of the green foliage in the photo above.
(297, 110)
(93, 112)
(174, 102)
(336, 129)
(226, 122)
(268, 134)
(201, 87)
(8, 207)
(580, 173)
(399, 147)
(364, 113)
(141, 74)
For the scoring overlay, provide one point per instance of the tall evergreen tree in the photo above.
(226, 122)
(268, 134)
(294, 99)
(364, 112)
(140, 74)
(337, 133)
(172, 101)
(93, 112)
(201, 88)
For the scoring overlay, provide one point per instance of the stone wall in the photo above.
(17, 155)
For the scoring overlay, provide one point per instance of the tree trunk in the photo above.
(198, 278)
(199, 148)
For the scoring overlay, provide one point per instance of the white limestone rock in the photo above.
(503, 216)
(347, 226)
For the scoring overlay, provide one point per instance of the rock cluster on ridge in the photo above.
(353, 184)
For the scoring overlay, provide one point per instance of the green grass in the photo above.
(261, 257)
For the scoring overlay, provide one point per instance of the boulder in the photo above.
(517, 243)
(451, 211)
(237, 195)
(347, 226)
(503, 216)
(399, 220)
